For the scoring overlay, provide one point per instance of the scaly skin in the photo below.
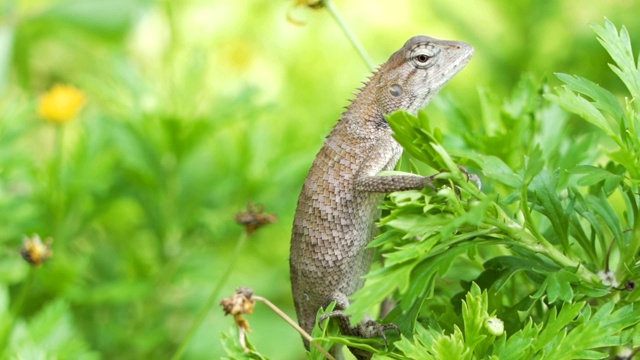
(339, 202)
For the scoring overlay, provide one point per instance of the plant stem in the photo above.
(56, 180)
(212, 297)
(293, 324)
(16, 310)
(349, 34)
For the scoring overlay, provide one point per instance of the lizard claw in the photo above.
(373, 327)
(471, 177)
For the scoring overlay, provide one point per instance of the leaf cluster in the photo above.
(552, 239)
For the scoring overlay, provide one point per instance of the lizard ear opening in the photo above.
(395, 90)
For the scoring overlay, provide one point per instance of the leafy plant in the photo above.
(556, 227)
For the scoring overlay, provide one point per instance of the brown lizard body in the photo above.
(339, 202)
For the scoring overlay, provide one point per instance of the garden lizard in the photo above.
(338, 206)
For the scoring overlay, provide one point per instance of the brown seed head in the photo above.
(35, 252)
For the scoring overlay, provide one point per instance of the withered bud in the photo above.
(292, 13)
(254, 218)
(315, 4)
(238, 304)
(630, 285)
(34, 251)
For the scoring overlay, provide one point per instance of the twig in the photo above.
(294, 325)
(349, 34)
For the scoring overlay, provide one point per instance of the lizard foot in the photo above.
(329, 315)
(471, 177)
(371, 328)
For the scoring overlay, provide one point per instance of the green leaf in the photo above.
(520, 345)
(558, 286)
(534, 163)
(233, 349)
(495, 169)
(602, 98)
(582, 107)
(321, 335)
(381, 284)
(415, 135)
(602, 207)
(544, 188)
(52, 333)
(413, 351)
(451, 347)
(507, 266)
(475, 310)
(103, 17)
(597, 331)
(556, 324)
(618, 45)
(594, 175)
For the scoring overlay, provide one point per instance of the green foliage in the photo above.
(195, 108)
(553, 229)
(50, 331)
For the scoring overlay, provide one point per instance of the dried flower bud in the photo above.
(630, 285)
(240, 303)
(35, 252)
(254, 218)
(292, 15)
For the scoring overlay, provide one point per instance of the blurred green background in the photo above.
(193, 109)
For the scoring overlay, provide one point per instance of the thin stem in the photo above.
(212, 297)
(528, 219)
(17, 309)
(294, 325)
(56, 186)
(349, 34)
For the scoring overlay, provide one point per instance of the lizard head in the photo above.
(416, 72)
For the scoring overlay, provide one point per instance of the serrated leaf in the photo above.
(379, 286)
(494, 168)
(559, 286)
(593, 332)
(618, 45)
(544, 187)
(411, 350)
(556, 323)
(507, 266)
(602, 98)
(519, 345)
(451, 347)
(475, 309)
(582, 107)
(523, 98)
(594, 175)
(533, 165)
(415, 137)
(601, 206)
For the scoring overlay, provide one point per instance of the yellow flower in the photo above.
(61, 104)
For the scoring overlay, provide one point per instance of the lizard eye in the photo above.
(422, 54)
(422, 58)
